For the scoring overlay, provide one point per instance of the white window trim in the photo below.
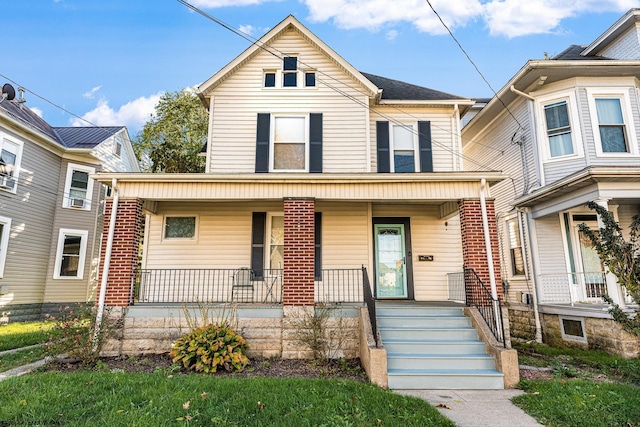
(193, 239)
(508, 247)
(84, 235)
(574, 121)
(4, 242)
(574, 338)
(267, 257)
(629, 125)
(272, 133)
(66, 200)
(16, 173)
(117, 141)
(416, 151)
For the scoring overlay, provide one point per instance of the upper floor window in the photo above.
(10, 153)
(558, 129)
(78, 187)
(290, 71)
(117, 147)
(70, 256)
(612, 132)
(515, 247)
(5, 227)
(289, 75)
(290, 144)
(404, 149)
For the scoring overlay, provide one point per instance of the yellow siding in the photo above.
(345, 235)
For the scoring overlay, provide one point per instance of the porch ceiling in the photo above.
(415, 187)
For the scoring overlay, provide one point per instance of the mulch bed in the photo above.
(350, 369)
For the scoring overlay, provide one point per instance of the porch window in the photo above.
(70, 256)
(611, 124)
(5, 227)
(9, 164)
(515, 247)
(276, 242)
(558, 129)
(78, 187)
(179, 227)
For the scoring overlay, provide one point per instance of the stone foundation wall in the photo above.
(602, 334)
(522, 323)
(30, 312)
(269, 333)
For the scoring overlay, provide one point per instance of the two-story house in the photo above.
(323, 184)
(566, 131)
(50, 208)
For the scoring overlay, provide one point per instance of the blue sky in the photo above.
(109, 60)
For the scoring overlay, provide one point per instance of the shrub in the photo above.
(208, 348)
(73, 332)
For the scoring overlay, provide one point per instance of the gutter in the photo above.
(107, 260)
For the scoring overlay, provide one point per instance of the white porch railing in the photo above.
(569, 288)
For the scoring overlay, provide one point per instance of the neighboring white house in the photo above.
(50, 208)
(570, 135)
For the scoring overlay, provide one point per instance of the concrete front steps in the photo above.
(433, 346)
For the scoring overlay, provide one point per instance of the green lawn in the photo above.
(21, 334)
(20, 358)
(102, 398)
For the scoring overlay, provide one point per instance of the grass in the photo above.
(22, 334)
(579, 403)
(102, 398)
(587, 362)
(577, 396)
(20, 358)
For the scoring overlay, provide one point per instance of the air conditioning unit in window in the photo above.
(77, 203)
(7, 182)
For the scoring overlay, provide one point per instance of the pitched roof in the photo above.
(575, 52)
(25, 116)
(397, 90)
(85, 136)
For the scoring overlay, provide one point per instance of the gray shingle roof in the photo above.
(24, 115)
(397, 90)
(572, 53)
(85, 136)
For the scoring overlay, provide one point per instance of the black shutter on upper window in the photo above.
(317, 261)
(258, 225)
(382, 142)
(426, 152)
(262, 142)
(315, 143)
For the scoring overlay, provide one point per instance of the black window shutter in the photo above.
(382, 141)
(258, 225)
(262, 142)
(317, 262)
(315, 143)
(426, 153)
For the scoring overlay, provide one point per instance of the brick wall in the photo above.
(474, 253)
(124, 255)
(299, 250)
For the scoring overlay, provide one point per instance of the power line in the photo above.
(280, 55)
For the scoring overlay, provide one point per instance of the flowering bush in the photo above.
(73, 332)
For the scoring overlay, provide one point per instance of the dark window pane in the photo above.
(180, 227)
(573, 327)
(613, 140)
(70, 256)
(557, 115)
(310, 79)
(290, 63)
(7, 163)
(404, 162)
(79, 180)
(290, 80)
(270, 80)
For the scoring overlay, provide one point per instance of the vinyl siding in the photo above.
(429, 236)
(112, 163)
(549, 240)
(627, 46)
(237, 101)
(442, 131)
(65, 290)
(31, 209)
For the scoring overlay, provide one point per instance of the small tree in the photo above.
(172, 139)
(622, 257)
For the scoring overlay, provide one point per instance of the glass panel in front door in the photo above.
(591, 266)
(391, 278)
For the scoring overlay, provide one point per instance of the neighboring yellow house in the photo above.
(319, 180)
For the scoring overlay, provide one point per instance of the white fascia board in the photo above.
(620, 26)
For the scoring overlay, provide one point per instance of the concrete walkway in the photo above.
(477, 408)
(25, 369)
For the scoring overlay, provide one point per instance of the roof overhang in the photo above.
(539, 73)
(627, 21)
(44, 140)
(289, 23)
(463, 104)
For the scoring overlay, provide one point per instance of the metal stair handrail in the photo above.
(491, 313)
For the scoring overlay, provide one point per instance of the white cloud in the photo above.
(133, 114)
(247, 29)
(91, 93)
(510, 18)
(37, 111)
(391, 34)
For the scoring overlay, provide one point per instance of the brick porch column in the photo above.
(474, 253)
(124, 254)
(299, 251)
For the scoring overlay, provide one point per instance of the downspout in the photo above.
(456, 135)
(519, 92)
(107, 259)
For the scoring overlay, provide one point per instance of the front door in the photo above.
(391, 261)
